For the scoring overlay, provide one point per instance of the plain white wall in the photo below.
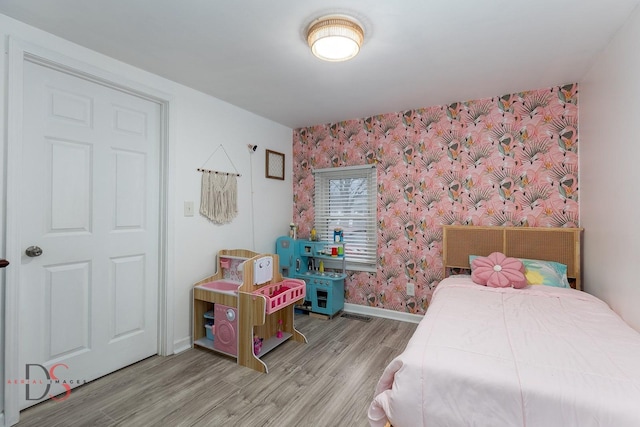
(211, 123)
(201, 124)
(610, 173)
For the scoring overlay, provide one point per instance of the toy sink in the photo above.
(222, 286)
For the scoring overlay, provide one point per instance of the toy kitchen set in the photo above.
(321, 265)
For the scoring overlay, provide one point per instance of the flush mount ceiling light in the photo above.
(335, 38)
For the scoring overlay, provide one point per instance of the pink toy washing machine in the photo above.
(226, 339)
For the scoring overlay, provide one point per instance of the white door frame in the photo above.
(19, 52)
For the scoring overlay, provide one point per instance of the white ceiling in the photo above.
(417, 53)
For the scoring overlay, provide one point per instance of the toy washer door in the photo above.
(226, 338)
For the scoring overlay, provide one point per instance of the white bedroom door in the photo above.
(90, 205)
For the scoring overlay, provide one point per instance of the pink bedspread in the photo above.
(539, 356)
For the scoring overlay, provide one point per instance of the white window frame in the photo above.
(361, 246)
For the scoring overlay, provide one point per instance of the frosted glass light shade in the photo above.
(335, 38)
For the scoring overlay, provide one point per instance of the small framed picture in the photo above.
(274, 167)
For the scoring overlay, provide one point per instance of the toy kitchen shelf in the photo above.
(323, 272)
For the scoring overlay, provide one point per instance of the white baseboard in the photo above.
(181, 345)
(382, 312)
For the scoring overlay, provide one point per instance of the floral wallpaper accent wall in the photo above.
(510, 160)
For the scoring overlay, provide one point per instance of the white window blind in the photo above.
(346, 198)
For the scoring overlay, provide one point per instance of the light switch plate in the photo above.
(188, 208)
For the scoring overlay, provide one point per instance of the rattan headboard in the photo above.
(549, 244)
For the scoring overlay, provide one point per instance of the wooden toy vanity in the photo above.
(263, 311)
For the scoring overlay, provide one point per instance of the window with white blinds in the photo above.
(345, 198)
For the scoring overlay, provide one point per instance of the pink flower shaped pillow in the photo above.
(498, 271)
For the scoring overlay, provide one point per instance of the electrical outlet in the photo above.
(411, 289)
(188, 208)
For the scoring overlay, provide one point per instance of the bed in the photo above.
(537, 356)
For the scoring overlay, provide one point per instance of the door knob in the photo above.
(3, 263)
(33, 251)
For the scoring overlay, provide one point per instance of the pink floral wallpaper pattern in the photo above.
(507, 160)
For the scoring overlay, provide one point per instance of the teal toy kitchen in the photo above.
(321, 265)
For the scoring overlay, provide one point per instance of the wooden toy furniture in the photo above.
(264, 311)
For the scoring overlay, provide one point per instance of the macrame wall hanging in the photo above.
(219, 193)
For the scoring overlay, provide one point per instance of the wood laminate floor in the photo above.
(327, 382)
